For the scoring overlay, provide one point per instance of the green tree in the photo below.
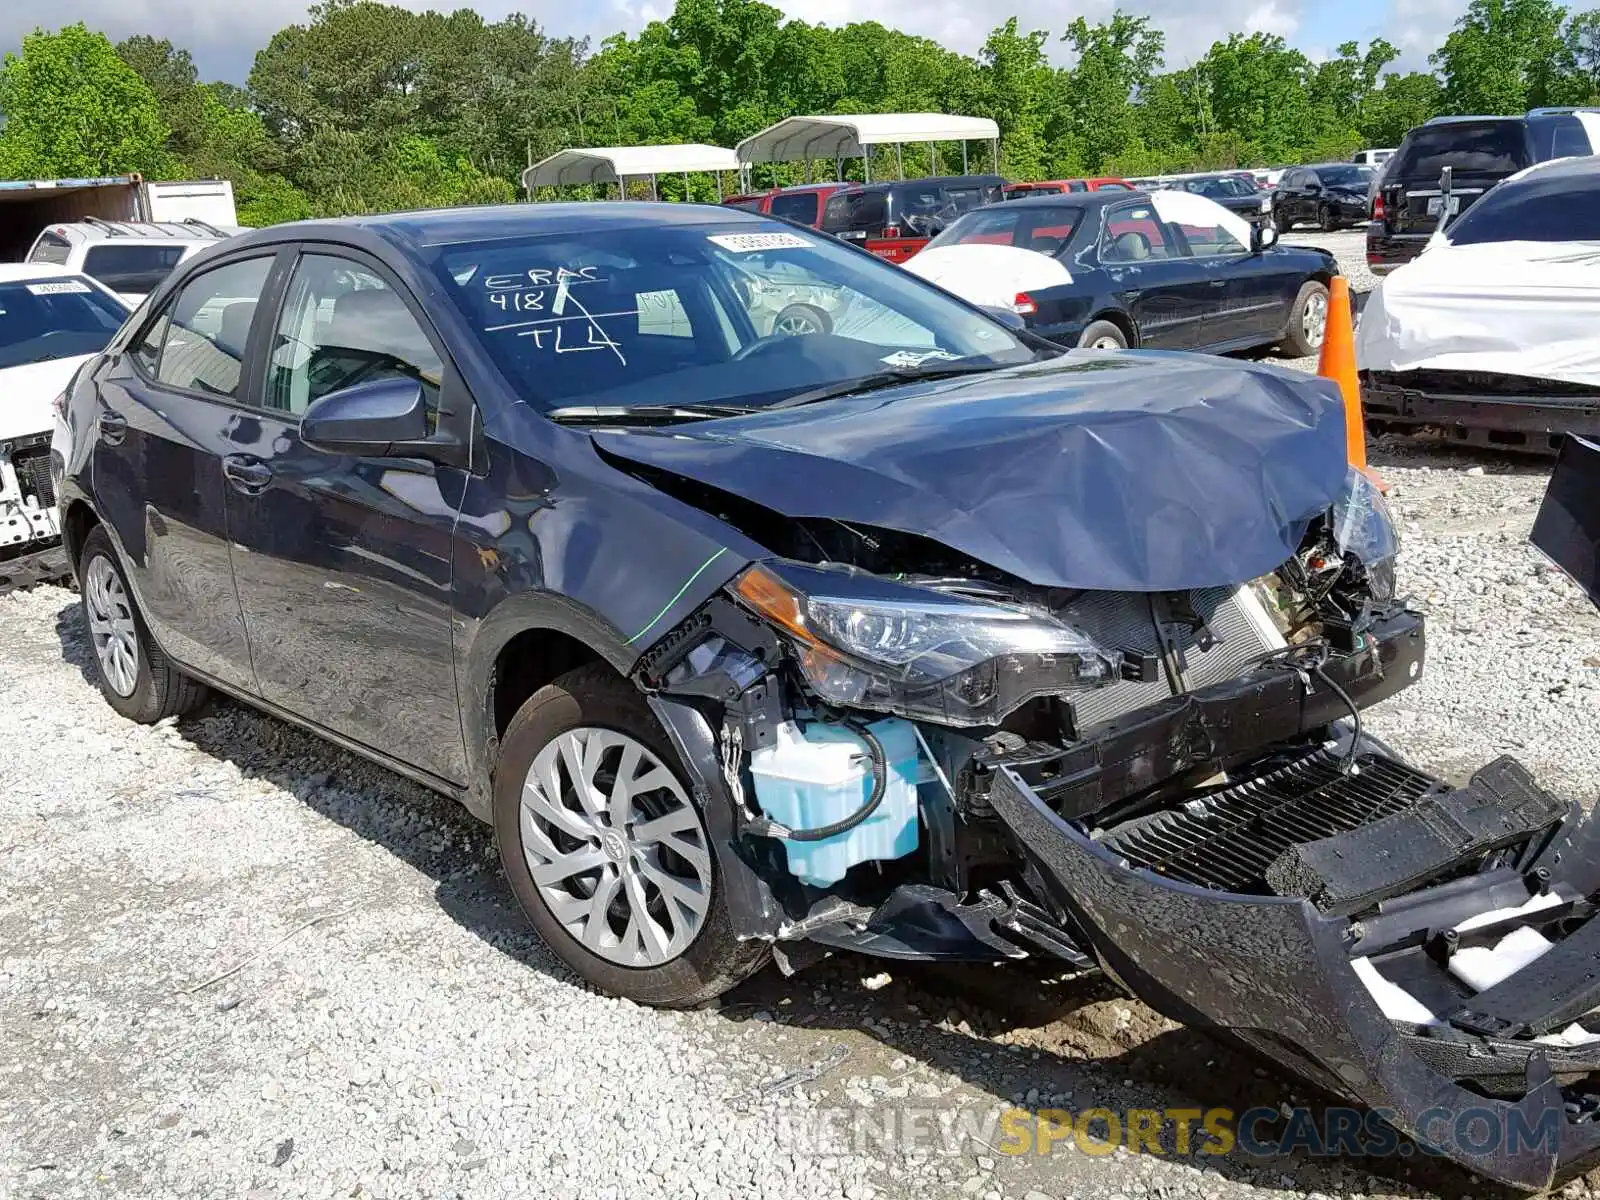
(1115, 63)
(74, 109)
(1506, 56)
(1400, 104)
(1016, 85)
(1582, 37)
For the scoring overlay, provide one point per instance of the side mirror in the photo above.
(384, 418)
(1007, 317)
(1313, 188)
(1263, 237)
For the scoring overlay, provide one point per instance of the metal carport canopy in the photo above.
(797, 139)
(612, 164)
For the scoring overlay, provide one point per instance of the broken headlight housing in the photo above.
(866, 642)
(1363, 527)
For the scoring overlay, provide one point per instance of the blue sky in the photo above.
(225, 34)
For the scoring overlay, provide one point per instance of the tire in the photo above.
(1326, 220)
(136, 678)
(802, 320)
(592, 710)
(1305, 333)
(1103, 335)
(1281, 220)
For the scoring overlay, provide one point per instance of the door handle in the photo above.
(1219, 283)
(246, 474)
(113, 428)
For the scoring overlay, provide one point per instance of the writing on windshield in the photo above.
(555, 317)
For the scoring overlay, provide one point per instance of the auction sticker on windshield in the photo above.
(62, 287)
(749, 243)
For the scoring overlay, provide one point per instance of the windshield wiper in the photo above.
(643, 414)
(880, 379)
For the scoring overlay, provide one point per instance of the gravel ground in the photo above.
(235, 961)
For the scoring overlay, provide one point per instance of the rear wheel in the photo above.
(1327, 219)
(1103, 335)
(136, 678)
(1308, 320)
(607, 850)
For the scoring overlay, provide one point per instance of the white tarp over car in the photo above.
(800, 139)
(612, 164)
(991, 276)
(1521, 308)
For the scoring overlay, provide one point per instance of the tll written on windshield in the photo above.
(558, 319)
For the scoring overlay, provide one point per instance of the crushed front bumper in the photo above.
(1530, 420)
(1278, 972)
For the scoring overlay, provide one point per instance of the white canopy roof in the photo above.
(835, 137)
(611, 164)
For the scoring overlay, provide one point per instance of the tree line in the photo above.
(370, 107)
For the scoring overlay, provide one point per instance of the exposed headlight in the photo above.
(1363, 526)
(1266, 204)
(866, 642)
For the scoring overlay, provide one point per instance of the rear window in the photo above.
(136, 269)
(59, 317)
(855, 212)
(51, 249)
(1486, 148)
(801, 206)
(1533, 213)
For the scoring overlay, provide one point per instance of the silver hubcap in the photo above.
(1314, 321)
(1105, 343)
(116, 644)
(615, 847)
(793, 324)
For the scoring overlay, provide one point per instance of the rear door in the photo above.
(1164, 289)
(167, 412)
(343, 563)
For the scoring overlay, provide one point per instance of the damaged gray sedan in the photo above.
(900, 632)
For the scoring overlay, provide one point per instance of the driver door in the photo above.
(343, 564)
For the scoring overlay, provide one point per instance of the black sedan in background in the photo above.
(1330, 195)
(1166, 271)
(1234, 190)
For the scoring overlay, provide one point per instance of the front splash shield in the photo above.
(1277, 973)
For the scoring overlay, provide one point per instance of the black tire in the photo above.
(1296, 343)
(1327, 221)
(595, 696)
(160, 689)
(809, 316)
(1103, 331)
(1281, 220)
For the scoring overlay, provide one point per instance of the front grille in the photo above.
(33, 475)
(1122, 621)
(1228, 839)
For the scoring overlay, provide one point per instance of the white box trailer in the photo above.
(28, 205)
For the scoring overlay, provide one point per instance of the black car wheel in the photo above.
(1280, 218)
(1308, 320)
(607, 850)
(1327, 219)
(135, 677)
(1103, 335)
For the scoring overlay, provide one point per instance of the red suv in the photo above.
(803, 202)
(895, 220)
(1057, 187)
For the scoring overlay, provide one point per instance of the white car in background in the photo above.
(52, 321)
(129, 257)
(1494, 330)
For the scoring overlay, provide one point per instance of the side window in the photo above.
(51, 249)
(203, 335)
(1206, 240)
(147, 351)
(341, 325)
(137, 269)
(1133, 234)
(798, 206)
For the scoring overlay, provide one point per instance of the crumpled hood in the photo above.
(26, 393)
(1128, 471)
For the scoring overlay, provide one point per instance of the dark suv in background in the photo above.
(895, 220)
(1480, 152)
(1332, 195)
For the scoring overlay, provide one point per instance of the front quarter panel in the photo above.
(552, 537)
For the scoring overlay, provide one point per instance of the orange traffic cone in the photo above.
(1338, 363)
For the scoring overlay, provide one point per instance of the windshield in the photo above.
(1356, 178)
(43, 319)
(1222, 188)
(714, 314)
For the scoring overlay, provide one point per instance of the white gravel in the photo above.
(237, 962)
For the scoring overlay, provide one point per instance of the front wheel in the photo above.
(607, 850)
(1103, 335)
(136, 678)
(1327, 221)
(1308, 320)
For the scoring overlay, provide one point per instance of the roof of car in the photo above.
(1057, 199)
(1468, 119)
(1563, 168)
(924, 179)
(12, 272)
(96, 230)
(445, 226)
